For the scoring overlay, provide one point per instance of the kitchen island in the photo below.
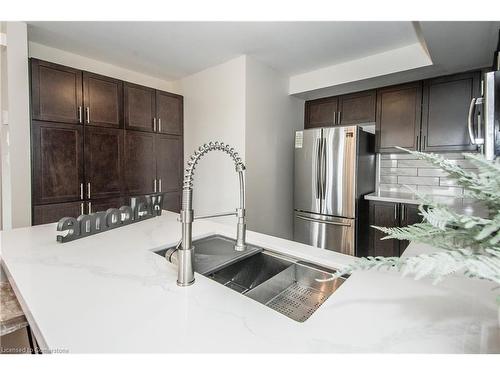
(111, 293)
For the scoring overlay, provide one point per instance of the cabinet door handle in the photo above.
(154, 124)
(395, 212)
(417, 146)
(422, 145)
(159, 185)
(88, 189)
(403, 212)
(159, 125)
(154, 184)
(80, 120)
(81, 190)
(335, 118)
(338, 117)
(88, 114)
(81, 208)
(89, 205)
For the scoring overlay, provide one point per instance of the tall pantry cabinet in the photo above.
(96, 141)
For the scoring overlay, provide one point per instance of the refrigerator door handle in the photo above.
(323, 168)
(322, 221)
(318, 168)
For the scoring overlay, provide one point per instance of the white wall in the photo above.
(272, 116)
(15, 129)
(214, 110)
(58, 56)
(246, 104)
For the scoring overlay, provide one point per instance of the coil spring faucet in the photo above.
(185, 254)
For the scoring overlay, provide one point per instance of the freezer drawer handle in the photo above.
(323, 221)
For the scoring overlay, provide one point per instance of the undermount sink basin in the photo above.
(290, 287)
(286, 285)
(215, 252)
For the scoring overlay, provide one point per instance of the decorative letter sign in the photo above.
(142, 208)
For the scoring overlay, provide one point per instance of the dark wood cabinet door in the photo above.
(57, 157)
(172, 201)
(102, 100)
(139, 166)
(52, 213)
(56, 92)
(96, 205)
(169, 162)
(357, 108)
(445, 109)
(169, 112)
(383, 214)
(398, 117)
(103, 162)
(409, 215)
(139, 107)
(320, 112)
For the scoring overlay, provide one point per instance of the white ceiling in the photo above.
(172, 50)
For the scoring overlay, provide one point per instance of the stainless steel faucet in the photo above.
(185, 253)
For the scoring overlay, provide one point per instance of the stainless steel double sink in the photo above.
(291, 287)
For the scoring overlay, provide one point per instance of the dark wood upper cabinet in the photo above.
(169, 162)
(398, 117)
(103, 162)
(139, 107)
(52, 213)
(57, 156)
(357, 108)
(56, 93)
(383, 214)
(445, 109)
(102, 100)
(321, 112)
(169, 112)
(139, 162)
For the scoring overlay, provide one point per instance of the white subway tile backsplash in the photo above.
(388, 163)
(418, 180)
(388, 179)
(414, 163)
(448, 182)
(431, 172)
(441, 190)
(399, 171)
(398, 156)
(397, 187)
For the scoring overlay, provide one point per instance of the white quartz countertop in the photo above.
(111, 293)
(459, 204)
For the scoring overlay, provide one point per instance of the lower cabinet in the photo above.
(51, 213)
(172, 201)
(104, 204)
(389, 214)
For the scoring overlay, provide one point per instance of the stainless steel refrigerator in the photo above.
(334, 168)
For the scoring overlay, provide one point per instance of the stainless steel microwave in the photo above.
(484, 116)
